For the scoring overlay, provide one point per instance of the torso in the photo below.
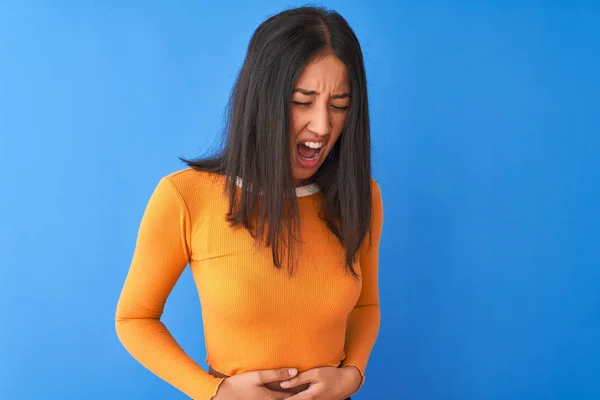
(257, 316)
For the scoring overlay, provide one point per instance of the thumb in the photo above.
(298, 380)
(275, 375)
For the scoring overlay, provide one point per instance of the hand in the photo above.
(327, 383)
(250, 385)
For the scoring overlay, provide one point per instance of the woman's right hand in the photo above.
(251, 385)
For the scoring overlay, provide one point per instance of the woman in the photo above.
(281, 229)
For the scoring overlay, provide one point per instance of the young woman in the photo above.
(281, 230)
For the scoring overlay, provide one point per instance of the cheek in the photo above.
(338, 122)
(296, 122)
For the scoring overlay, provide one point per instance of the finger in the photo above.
(275, 375)
(300, 379)
(308, 394)
(274, 395)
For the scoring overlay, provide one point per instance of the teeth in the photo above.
(313, 145)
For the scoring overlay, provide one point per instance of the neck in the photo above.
(302, 182)
(303, 187)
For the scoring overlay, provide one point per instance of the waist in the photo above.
(271, 385)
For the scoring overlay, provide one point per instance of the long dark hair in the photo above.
(257, 139)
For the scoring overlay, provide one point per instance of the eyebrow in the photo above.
(312, 92)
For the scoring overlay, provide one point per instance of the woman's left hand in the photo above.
(326, 383)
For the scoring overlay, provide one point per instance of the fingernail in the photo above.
(285, 384)
(292, 371)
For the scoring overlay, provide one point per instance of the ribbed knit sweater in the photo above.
(255, 316)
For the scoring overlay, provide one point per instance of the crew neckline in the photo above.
(301, 191)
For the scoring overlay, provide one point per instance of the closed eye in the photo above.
(298, 103)
(337, 108)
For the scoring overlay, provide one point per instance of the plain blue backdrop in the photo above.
(486, 144)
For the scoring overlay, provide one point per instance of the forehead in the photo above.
(326, 73)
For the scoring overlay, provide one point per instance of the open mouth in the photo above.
(309, 151)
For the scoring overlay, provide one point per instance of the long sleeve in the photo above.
(161, 254)
(364, 319)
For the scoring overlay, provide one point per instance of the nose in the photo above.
(320, 121)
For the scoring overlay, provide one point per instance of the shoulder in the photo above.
(194, 187)
(375, 186)
(376, 200)
(376, 191)
(190, 179)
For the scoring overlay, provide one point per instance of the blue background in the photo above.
(486, 143)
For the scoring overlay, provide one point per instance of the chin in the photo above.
(301, 176)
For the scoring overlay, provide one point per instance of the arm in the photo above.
(161, 254)
(364, 320)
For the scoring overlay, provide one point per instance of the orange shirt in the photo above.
(254, 315)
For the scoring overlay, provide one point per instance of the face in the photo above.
(320, 102)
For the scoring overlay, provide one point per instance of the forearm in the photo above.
(361, 334)
(152, 345)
